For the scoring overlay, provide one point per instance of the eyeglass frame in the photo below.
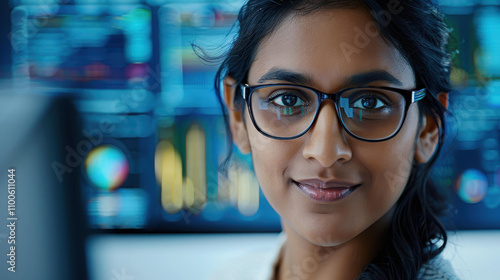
(410, 96)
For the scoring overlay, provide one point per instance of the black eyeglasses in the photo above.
(286, 111)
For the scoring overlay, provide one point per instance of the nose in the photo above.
(326, 142)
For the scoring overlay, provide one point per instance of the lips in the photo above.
(326, 191)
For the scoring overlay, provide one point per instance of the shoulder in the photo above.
(437, 269)
(258, 264)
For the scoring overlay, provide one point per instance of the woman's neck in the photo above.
(304, 260)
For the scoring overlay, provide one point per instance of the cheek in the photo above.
(389, 169)
(389, 164)
(271, 158)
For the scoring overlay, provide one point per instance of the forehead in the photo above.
(330, 46)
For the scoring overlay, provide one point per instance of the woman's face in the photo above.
(329, 48)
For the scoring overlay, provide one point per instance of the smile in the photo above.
(326, 194)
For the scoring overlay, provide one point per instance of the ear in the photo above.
(236, 118)
(428, 137)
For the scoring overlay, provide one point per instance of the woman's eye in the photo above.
(288, 100)
(369, 102)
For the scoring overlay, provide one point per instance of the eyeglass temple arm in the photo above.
(243, 89)
(417, 95)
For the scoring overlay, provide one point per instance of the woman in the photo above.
(341, 105)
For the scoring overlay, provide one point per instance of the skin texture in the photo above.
(333, 240)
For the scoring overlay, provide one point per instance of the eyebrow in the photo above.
(370, 77)
(279, 74)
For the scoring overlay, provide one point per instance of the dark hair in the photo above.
(417, 29)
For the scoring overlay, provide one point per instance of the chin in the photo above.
(326, 236)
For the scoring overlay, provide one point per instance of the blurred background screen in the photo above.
(153, 133)
(143, 94)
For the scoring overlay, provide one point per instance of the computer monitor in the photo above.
(43, 223)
